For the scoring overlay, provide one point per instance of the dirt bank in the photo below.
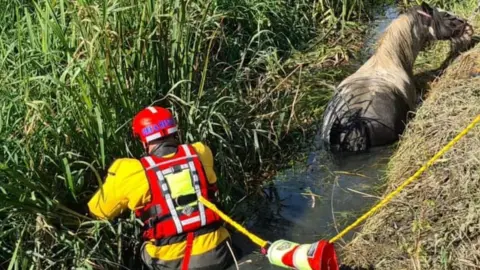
(435, 222)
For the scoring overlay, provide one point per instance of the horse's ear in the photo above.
(427, 8)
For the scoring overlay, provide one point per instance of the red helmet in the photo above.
(153, 123)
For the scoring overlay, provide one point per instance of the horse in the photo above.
(371, 106)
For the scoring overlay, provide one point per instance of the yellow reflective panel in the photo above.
(180, 183)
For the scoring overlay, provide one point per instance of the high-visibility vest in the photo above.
(174, 209)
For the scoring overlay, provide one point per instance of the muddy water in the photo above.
(308, 205)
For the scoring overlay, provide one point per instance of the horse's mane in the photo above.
(398, 39)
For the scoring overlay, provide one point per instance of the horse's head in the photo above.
(442, 25)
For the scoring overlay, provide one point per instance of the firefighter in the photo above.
(162, 188)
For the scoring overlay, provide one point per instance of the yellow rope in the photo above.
(262, 243)
(257, 240)
(408, 181)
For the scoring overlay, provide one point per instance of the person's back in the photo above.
(162, 188)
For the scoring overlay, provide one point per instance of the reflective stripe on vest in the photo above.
(166, 193)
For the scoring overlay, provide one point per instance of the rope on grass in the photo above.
(408, 181)
(262, 243)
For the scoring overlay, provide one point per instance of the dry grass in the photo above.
(435, 222)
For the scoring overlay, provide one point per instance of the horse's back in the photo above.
(365, 112)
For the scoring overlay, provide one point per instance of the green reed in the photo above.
(74, 73)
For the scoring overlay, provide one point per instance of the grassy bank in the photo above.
(433, 223)
(73, 73)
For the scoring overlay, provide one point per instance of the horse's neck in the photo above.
(401, 44)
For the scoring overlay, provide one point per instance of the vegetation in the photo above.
(433, 223)
(73, 73)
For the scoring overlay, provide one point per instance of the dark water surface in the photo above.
(303, 203)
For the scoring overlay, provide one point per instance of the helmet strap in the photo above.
(145, 147)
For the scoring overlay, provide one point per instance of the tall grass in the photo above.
(73, 74)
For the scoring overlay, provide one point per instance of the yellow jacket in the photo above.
(126, 186)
